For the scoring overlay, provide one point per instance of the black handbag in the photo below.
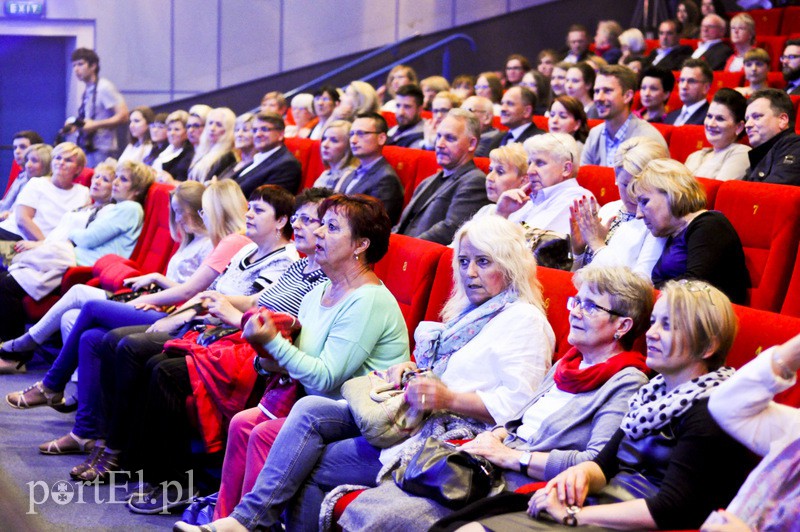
(450, 477)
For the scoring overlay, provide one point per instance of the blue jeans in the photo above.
(318, 448)
(98, 314)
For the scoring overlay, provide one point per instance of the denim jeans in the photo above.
(313, 424)
(97, 314)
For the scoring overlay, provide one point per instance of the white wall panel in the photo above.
(250, 36)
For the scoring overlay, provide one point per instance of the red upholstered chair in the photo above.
(674, 101)
(313, 168)
(151, 254)
(775, 80)
(767, 219)
(404, 162)
(391, 118)
(712, 187)
(12, 175)
(408, 270)
(791, 20)
(687, 140)
(85, 177)
(557, 287)
(768, 21)
(593, 122)
(541, 122)
(774, 45)
(483, 164)
(441, 287)
(426, 166)
(301, 149)
(650, 45)
(791, 304)
(600, 180)
(690, 42)
(721, 79)
(665, 130)
(497, 124)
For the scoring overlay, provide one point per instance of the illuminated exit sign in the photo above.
(26, 9)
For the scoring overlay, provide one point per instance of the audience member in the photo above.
(743, 38)
(631, 42)
(716, 7)
(607, 41)
(158, 138)
(790, 66)
(756, 67)
(464, 86)
(334, 150)
(483, 110)
(21, 141)
(693, 86)
(701, 244)
(441, 105)
(516, 67)
(362, 97)
(769, 123)
(214, 152)
(410, 130)
(490, 87)
(102, 109)
(613, 96)
(517, 115)
(547, 60)
(326, 98)
(544, 202)
(242, 144)
(139, 143)
(508, 169)
(670, 54)
(558, 78)
(612, 235)
(196, 123)
(442, 202)
(172, 164)
(711, 48)
(579, 84)
(274, 102)
(398, 76)
(688, 14)
(654, 91)
(566, 115)
(303, 115)
(577, 44)
(272, 163)
(539, 84)
(635, 63)
(373, 176)
(431, 86)
(726, 159)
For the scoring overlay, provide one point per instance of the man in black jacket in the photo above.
(693, 85)
(670, 54)
(775, 157)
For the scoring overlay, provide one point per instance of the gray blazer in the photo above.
(594, 152)
(437, 217)
(380, 182)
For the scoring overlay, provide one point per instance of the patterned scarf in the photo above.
(652, 407)
(436, 342)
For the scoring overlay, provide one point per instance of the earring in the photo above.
(616, 336)
(355, 256)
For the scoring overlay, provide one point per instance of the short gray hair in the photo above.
(470, 121)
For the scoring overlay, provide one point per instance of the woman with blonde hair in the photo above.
(700, 244)
(398, 76)
(242, 145)
(303, 115)
(631, 42)
(172, 164)
(215, 151)
(431, 87)
(613, 235)
(37, 164)
(335, 153)
(196, 123)
(508, 169)
(489, 85)
(743, 39)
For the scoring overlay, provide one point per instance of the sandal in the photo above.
(76, 471)
(101, 469)
(67, 444)
(182, 526)
(33, 396)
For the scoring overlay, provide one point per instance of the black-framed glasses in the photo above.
(589, 308)
(790, 57)
(304, 219)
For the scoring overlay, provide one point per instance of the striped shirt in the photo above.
(288, 291)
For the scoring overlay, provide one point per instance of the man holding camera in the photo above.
(102, 109)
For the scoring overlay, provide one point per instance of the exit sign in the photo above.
(30, 8)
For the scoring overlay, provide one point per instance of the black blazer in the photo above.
(281, 168)
(696, 119)
(178, 167)
(717, 56)
(673, 60)
(528, 132)
(380, 182)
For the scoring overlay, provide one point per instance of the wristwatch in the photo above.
(571, 519)
(524, 462)
(259, 368)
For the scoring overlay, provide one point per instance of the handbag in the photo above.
(125, 295)
(441, 472)
(379, 408)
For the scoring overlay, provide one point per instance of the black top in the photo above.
(178, 167)
(692, 463)
(777, 160)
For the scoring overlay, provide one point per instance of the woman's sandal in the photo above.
(76, 471)
(67, 444)
(101, 469)
(181, 526)
(20, 357)
(35, 395)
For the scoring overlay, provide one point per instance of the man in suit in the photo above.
(272, 164)
(444, 201)
(711, 49)
(693, 85)
(374, 176)
(516, 113)
(410, 130)
(775, 157)
(577, 44)
(790, 66)
(670, 53)
(483, 109)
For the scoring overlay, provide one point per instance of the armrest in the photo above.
(75, 275)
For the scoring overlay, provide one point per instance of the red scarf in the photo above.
(570, 378)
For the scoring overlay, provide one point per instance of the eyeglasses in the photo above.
(265, 129)
(589, 308)
(201, 213)
(790, 57)
(481, 87)
(194, 126)
(362, 134)
(304, 219)
(514, 68)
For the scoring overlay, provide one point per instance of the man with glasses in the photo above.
(272, 164)
(693, 85)
(374, 176)
(410, 130)
(444, 201)
(790, 66)
(769, 123)
(483, 109)
(711, 49)
(670, 53)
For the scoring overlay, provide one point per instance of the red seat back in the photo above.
(600, 180)
(791, 20)
(557, 287)
(665, 130)
(768, 21)
(314, 167)
(408, 270)
(687, 140)
(767, 219)
(85, 177)
(391, 118)
(441, 287)
(483, 164)
(722, 79)
(541, 122)
(155, 245)
(301, 149)
(774, 45)
(426, 166)
(12, 175)
(404, 162)
(791, 304)
(711, 186)
(775, 80)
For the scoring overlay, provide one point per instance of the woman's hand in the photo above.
(570, 486)
(488, 445)
(4, 215)
(546, 500)
(259, 329)
(162, 176)
(429, 394)
(789, 354)
(25, 245)
(429, 131)
(140, 281)
(395, 373)
(591, 227)
(512, 200)
(576, 237)
(724, 521)
(219, 307)
(170, 324)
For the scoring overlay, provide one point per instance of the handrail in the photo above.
(347, 66)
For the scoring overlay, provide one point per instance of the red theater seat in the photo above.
(391, 118)
(600, 180)
(557, 287)
(768, 21)
(408, 270)
(774, 45)
(791, 20)
(483, 164)
(441, 287)
(687, 140)
(301, 149)
(791, 304)
(722, 79)
(665, 130)
(712, 187)
(767, 219)
(426, 166)
(541, 122)
(404, 162)
(775, 80)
